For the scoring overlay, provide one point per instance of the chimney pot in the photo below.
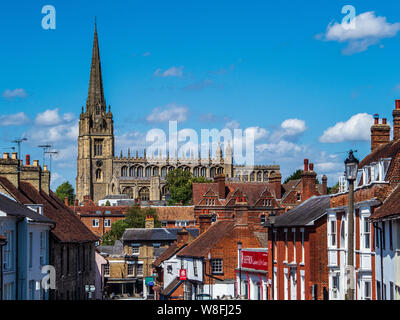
(28, 160)
(14, 155)
(36, 163)
(383, 120)
(6, 155)
(311, 166)
(305, 165)
(397, 104)
(376, 118)
(45, 167)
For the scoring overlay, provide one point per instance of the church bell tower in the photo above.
(96, 137)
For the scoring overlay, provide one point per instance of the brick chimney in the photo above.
(275, 180)
(149, 224)
(396, 121)
(308, 181)
(380, 133)
(66, 201)
(182, 237)
(220, 180)
(9, 169)
(32, 174)
(205, 222)
(45, 179)
(324, 184)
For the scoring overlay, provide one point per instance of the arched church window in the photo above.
(128, 191)
(265, 176)
(252, 176)
(220, 170)
(203, 172)
(196, 172)
(98, 147)
(140, 172)
(124, 171)
(212, 172)
(259, 176)
(155, 171)
(144, 194)
(99, 175)
(132, 171)
(148, 172)
(163, 171)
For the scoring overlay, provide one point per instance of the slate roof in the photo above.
(116, 250)
(202, 244)
(13, 208)
(155, 234)
(69, 228)
(305, 213)
(390, 207)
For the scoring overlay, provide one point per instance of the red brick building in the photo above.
(298, 269)
(227, 200)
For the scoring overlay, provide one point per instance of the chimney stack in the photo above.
(324, 184)
(396, 121)
(205, 222)
(9, 169)
(149, 224)
(380, 133)
(182, 237)
(32, 174)
(308, 181)
(275, 180)
(220, 180)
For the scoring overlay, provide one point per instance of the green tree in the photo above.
(66, 190)
(333, 189)
(179, 184)
(297, 175)
(294, 176)
(108, 203)
(135, 218)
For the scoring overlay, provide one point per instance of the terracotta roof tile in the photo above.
(202, 244)
(388, 150)
(175, 213)
(390, 207)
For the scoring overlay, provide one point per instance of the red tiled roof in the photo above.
(175, 213)
(93, 210)
(252, 190)
(388, 150)
(69, 227)
(389, 207)
(202, 244)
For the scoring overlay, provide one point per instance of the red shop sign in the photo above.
(255, 260)
(182, 274)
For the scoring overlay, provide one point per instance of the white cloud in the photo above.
(369, 30)
(171, 72)
(16, 93)
(17, 119)
(280, 148)
(290, 129)
(357, 128)
(48, 118)
(233, 124)
(169, 112)
(259, 133)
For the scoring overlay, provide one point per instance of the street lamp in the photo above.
(351, 168)
(272, 220)
(240, 267)
(209, 272)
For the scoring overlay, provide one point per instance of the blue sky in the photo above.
(283, 69)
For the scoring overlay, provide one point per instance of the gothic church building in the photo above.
(101, 173)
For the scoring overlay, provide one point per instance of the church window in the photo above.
(99, 175)
(203, 172)
(252, 176)
(163, 171)
(259, 176)
(140, 172)
(144, 194)
(132, 171)
(212, 172)
(98, 147)
(155, 171)
(124, 171)
(265, 176)
(196, 172)
(148, 172)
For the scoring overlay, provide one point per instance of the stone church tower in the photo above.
(96, 136)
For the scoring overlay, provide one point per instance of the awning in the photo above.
(121, 281)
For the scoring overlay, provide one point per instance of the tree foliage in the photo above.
(333, 189)
(179, 184)
(297, 175)
(135, 218)
(66, 190)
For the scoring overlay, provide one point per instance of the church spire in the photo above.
(95, 101)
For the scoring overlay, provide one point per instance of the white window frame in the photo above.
(332, 234)
(95, 223)
(286, 244)
(294, 244)
(302, 245)
(107, 223)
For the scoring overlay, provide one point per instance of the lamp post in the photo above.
(240, 267)
(351, 168)
(209, 272)
(271, 220)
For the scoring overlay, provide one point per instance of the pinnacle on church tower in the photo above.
(95, 102)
